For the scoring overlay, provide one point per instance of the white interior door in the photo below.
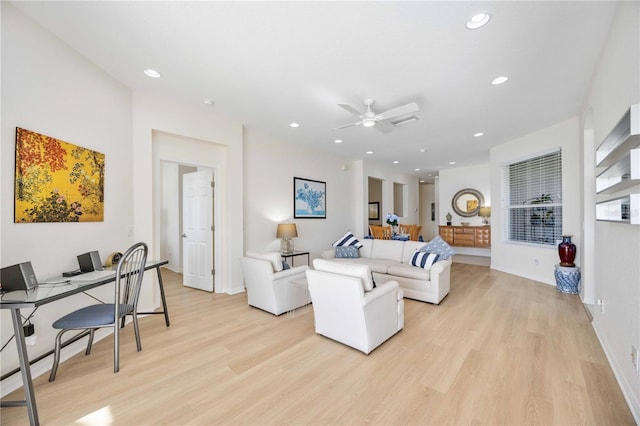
(197, 221)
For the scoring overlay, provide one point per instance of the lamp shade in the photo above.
(287, 230)
(485, 212)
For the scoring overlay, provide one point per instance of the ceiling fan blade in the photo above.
(347, 125)
(384, 126)
(407, 109)
(352, 110)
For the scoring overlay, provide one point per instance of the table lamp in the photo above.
(485, 213)
(286, 231)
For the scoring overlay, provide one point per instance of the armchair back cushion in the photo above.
(274, 257)
(359, 271)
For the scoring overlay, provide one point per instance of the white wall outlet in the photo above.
(601, 304)
(634, 357)
(536, 261)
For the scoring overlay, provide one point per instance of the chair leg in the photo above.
(56, 356)
(136, 328)
(91, 333)
(116, 347)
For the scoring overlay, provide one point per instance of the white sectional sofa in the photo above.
(390, 260)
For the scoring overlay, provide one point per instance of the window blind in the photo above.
(532, 199)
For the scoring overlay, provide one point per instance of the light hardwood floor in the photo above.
(499, 350)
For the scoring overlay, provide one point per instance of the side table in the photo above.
(293, 254)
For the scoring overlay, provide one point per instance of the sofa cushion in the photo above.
(352, 270)
(439, 246)
(410, 247)
(380, 265)
(347, 251)
(387, 249)
(348, 239)
(405, 270)
(274, 257)
(424, 259)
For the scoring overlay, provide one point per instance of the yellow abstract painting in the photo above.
(57, 181)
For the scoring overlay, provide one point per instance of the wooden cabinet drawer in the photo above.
(466, 236)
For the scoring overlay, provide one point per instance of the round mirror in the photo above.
(467, 202)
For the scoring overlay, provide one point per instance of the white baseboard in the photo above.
(627, 391)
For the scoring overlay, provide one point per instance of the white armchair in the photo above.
(269, 286)
(348, 309)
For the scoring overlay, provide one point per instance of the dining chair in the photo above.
(414, 235)
(405, 229)
(129, 274)
(380, 232)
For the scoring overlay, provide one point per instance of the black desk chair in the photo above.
(129, 273)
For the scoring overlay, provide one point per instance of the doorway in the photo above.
(174, 156)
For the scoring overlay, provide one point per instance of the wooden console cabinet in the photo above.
(467, 236)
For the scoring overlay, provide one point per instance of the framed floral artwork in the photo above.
(309, 199)
(56, 181)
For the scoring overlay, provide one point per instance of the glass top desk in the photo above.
(58, 288)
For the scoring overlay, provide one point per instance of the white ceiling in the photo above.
(267, 64)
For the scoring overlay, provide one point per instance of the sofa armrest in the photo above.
(441, 278)
(290, 272)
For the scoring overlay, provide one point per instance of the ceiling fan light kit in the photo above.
(383, 122)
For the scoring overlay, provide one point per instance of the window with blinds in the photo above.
(532, 200)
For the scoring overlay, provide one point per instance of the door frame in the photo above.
(159, 232)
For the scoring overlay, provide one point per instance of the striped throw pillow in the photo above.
(424, 259)
(348, 239)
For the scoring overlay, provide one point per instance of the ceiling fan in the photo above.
(384, 121)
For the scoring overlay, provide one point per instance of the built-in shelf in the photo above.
(618, 169)
(624, 209)
(624, 137)
(625, 173)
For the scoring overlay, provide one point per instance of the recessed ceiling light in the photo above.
(452, 163)
(421, 181)
(477, 135)
(294, 125)
(152, 73)
(369, 152)
(500, 80)
(416, 170)
(478, 20)
(207, 101)
(423, 150)
(396, 162)
(338, 141)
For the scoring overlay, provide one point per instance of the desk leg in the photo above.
(25, 370)
(164, 300)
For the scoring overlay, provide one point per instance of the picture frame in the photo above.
(56, 181)
(374, 210)
(309, 199)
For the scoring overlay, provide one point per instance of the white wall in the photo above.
(222, 139)
(616, 86)
(389, 177)
(453, 180)
(534, 261)
(269, 169)
(427, 196)
(50, 89)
